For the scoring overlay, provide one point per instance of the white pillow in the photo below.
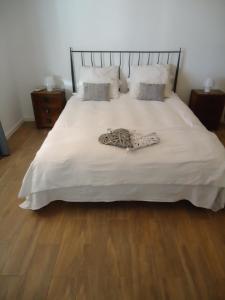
(100, 75)
(154, 74)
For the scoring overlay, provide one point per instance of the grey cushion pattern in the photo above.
(131, 140)
(96, 91)
(151, 91)
(119, 137)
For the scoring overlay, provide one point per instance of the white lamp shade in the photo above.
(49, 83)
(208, 84)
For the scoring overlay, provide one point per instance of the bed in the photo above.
(71, 165)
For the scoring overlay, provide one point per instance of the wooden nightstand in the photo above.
(208, 107)
(47, 107)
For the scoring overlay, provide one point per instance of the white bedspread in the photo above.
(72, 160)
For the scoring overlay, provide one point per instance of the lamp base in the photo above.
(49, 88)
(207, 89)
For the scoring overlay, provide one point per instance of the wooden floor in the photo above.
(104, 251)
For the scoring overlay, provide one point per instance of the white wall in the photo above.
(43, 30)
(10, 112)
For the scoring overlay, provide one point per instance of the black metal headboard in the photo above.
(128, 56)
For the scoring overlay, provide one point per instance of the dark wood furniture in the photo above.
(47, 107)
(4, 149)
(208, 107)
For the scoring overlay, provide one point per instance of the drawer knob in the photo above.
(47, 110)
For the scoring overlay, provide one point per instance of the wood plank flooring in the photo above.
(126, 251)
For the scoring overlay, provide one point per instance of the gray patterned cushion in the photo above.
(119, 137)
(131, 140)
(150, 91)
(96, 91)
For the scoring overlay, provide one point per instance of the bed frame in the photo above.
(126, 56)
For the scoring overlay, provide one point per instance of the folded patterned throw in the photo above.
(130, 140)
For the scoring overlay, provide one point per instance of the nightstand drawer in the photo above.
(50, 110)
(210, 102)
(48, 107)
(49, 121)
(48, 101)
(46, 122)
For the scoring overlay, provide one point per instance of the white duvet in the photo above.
(71, 165)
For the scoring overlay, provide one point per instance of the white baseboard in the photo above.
(10, 132)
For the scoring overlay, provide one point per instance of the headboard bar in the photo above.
(129, 64)
(101, 59)
(168, 58)
(177, 72)
(72, 70)
(110, 57)
(120, 52)
(149, 54)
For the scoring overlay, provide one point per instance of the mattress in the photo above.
(71, 165)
